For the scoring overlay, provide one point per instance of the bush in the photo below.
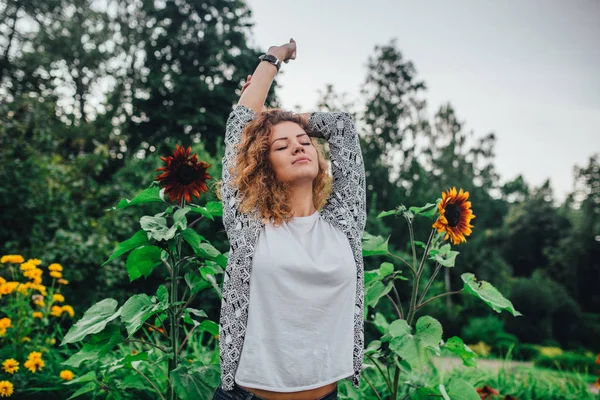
(503, 342)
(527, 352)
(484, 329)
(568, 361)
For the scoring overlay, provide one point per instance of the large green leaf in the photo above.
(129, 361)
(488, 293)
(427, 210)
(98, 345)
(374, 245)
(195, 283)
(139, 239)
(142, 261)
(459, 389)
(458, 347)
(94, 320)
(203, 211)
(380, 322)
(150, 195)
(179, 219)
(375, 275)
(417, 349)
(210, 327)
(444, 255)
(398, 328)
(157, 228)
(197, 383)
(193, 238)
(375, 292)
(138, 309)
(215, 208)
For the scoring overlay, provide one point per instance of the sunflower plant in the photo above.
(30, 317)
(406, 346)
(162, 323)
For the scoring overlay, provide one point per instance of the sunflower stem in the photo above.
(429, 282)
(415, 291)
(440, 295)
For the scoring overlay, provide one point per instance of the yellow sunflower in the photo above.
(455, 215)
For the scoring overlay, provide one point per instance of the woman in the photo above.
(299, 327)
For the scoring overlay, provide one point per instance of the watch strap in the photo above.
(272, 59)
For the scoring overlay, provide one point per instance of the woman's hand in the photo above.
(285, 52)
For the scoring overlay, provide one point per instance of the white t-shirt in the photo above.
(300, 318)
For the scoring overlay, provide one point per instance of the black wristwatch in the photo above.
(272, 59)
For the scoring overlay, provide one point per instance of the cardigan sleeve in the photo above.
(347, 166)
(238, 118)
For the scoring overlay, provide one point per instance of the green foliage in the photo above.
(482, 329)
(569, 361)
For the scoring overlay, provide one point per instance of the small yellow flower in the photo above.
(37, 314)
(55, 267)
(5, 322)
(34, 364)
(56, 311)
(28, 266)
(55, 274)
(11, 365)
(63, 281)
(12, 258)
(2, 281)
(8, 287)
(58, 298)
(51, 341)
(34, 355)
(69, 310)
(66, 375)
(6, 389)
(34, 261)
(35, 273)
(39, 287)
(26, 339)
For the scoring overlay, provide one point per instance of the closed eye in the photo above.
(306, 144)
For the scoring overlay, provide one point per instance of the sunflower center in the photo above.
(452, 215)
(185, 174)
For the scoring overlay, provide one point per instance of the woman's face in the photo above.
(288, 144)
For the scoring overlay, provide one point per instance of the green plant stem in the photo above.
(195, 221)
(398, 299)
(372, 387)
(186, 338)
(396, 379)
(440, 295)
(404, 261)
(150, 382)
(148, 343)
(386, 378)
(429, 282)
(395, 306)
(422, 264)
(413, 298)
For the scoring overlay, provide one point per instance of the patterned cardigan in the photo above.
(345, 209)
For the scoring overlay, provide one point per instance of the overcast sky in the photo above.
(528, 71)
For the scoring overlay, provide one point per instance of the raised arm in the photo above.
(254, 95)
(347, 165)
(249, 105)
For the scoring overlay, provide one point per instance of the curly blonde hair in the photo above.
(254, 176)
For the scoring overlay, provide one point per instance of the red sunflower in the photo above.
(455, 215)
(184, 176)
